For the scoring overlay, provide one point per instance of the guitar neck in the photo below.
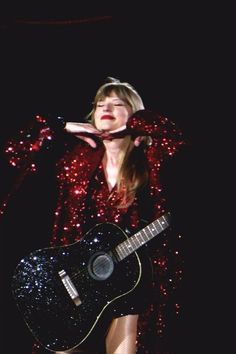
(139, 239)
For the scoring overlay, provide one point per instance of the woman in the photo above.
(112, 175)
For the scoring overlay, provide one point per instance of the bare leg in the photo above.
(122, 335)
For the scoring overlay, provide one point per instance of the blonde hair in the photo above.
(133, 173)
(123, 90)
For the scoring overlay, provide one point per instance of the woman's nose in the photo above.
(107, 107)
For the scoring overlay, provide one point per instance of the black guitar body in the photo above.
(63, 292)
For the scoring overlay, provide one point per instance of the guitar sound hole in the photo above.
(100, 266)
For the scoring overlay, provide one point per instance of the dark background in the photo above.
(53, 60)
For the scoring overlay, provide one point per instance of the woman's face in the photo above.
(111, 113)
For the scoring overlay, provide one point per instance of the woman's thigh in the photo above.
(122, 335)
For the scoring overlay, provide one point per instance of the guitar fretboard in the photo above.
(139, 239)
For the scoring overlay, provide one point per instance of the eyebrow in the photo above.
(113, 99)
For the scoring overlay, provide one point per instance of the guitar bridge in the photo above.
(67, 282)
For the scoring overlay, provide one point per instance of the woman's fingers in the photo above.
(74, 127)
(138, 140)
(146, 139)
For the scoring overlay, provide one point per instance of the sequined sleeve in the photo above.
(166, 136)
(21, 151)
(166, 140)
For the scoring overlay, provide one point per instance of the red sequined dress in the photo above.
(84, 200)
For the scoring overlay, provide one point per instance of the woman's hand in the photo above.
(80, 130)
(83, 128)
(146, 139)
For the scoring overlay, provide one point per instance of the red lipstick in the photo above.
(107, 116)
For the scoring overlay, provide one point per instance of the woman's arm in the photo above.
(166, 137)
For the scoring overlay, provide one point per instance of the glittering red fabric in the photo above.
(74, 215)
